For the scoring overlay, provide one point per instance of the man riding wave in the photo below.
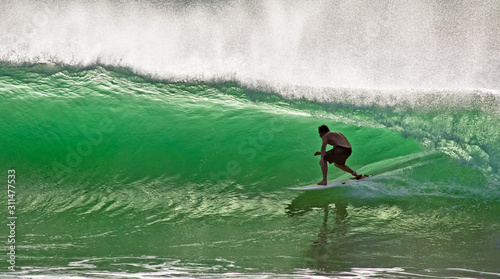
(338, 154)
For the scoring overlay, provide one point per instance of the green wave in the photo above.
(106, 127)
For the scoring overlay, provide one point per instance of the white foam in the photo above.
(320, 43)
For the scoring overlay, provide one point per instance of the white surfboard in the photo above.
(331, 184)
(380, 170)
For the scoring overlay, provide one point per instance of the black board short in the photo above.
(338, 155)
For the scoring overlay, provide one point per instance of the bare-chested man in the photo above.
(341, 151)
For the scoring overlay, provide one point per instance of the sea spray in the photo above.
(417, 44)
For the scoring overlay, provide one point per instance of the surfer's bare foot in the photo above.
(359, 176)
(322, 182)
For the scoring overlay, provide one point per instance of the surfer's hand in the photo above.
(317, 153)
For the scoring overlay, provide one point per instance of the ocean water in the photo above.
(157, 139)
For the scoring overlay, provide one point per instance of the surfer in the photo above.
(341, 151)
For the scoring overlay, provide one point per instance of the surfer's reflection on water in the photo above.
(330, 235)
(324, 246)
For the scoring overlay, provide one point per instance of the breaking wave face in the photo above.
(417, 44)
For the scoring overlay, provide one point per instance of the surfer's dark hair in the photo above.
(323, 129)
